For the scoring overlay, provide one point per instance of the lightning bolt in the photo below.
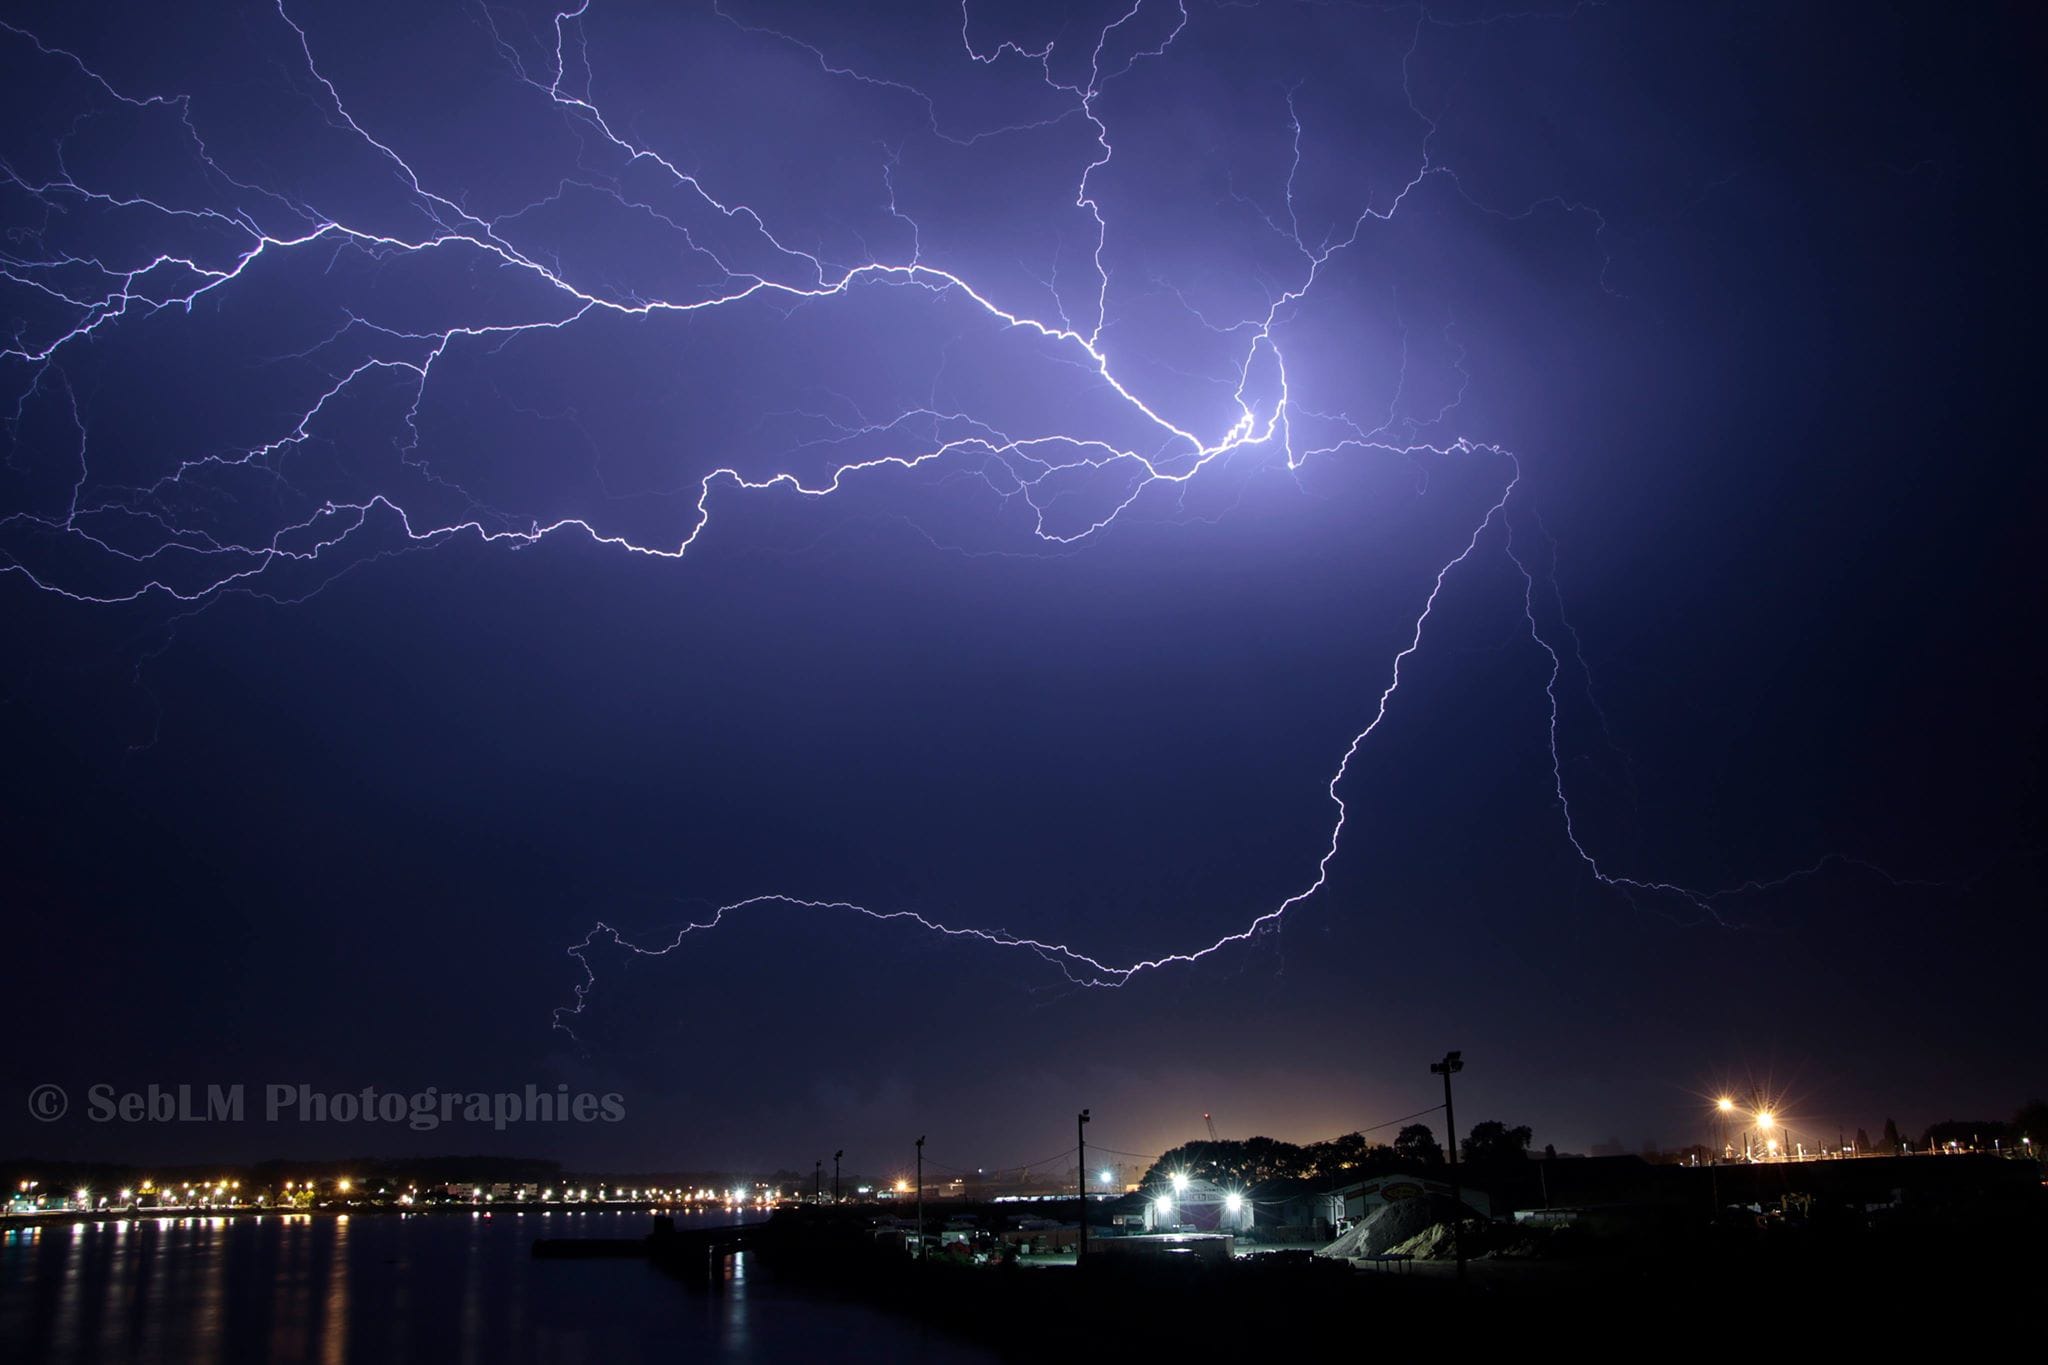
(103, 540)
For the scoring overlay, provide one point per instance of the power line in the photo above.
(1403, 1119)
(1058, 1156)
(999, 1169)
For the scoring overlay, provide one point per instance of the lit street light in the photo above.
(1765, 1122)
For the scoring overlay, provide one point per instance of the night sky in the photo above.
(352, 351)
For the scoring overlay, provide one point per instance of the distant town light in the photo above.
(1765, 1118)
(1108, 1176)
(1725, 1105)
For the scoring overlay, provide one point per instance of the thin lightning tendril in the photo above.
(190, 564)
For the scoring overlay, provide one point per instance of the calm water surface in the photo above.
(438, 1287)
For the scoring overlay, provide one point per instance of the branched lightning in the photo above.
(107, 541)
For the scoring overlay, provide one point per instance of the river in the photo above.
(441, 1287)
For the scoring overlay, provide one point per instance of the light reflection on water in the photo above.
(438, 1287)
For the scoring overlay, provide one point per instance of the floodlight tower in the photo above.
(1453, 1063)
(1081, 1155)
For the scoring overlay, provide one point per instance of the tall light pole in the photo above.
(1453, 1063)
(921, 1254)
(818, 1181)
(1081, 1179)
(835, 1173)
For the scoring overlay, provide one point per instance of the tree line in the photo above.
(1260, 1160)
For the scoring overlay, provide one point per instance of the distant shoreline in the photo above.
(56, 1216)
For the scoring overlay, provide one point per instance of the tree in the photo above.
(1493, 1142)
(1862, 1141)
(1417, 1143)
(1892, 1140)
(1337, 1154)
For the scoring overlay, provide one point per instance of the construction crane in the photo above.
(1212, 1128)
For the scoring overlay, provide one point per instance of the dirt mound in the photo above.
(1431, 1244)
(1393, 1225)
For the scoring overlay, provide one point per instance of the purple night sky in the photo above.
(847, 571)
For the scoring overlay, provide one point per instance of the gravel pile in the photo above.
(1392, 1226)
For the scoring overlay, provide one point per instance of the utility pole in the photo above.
(818, 1182)
(921, 1253)
(1081, 1182)
(1453, 1063)
(835, 1173)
